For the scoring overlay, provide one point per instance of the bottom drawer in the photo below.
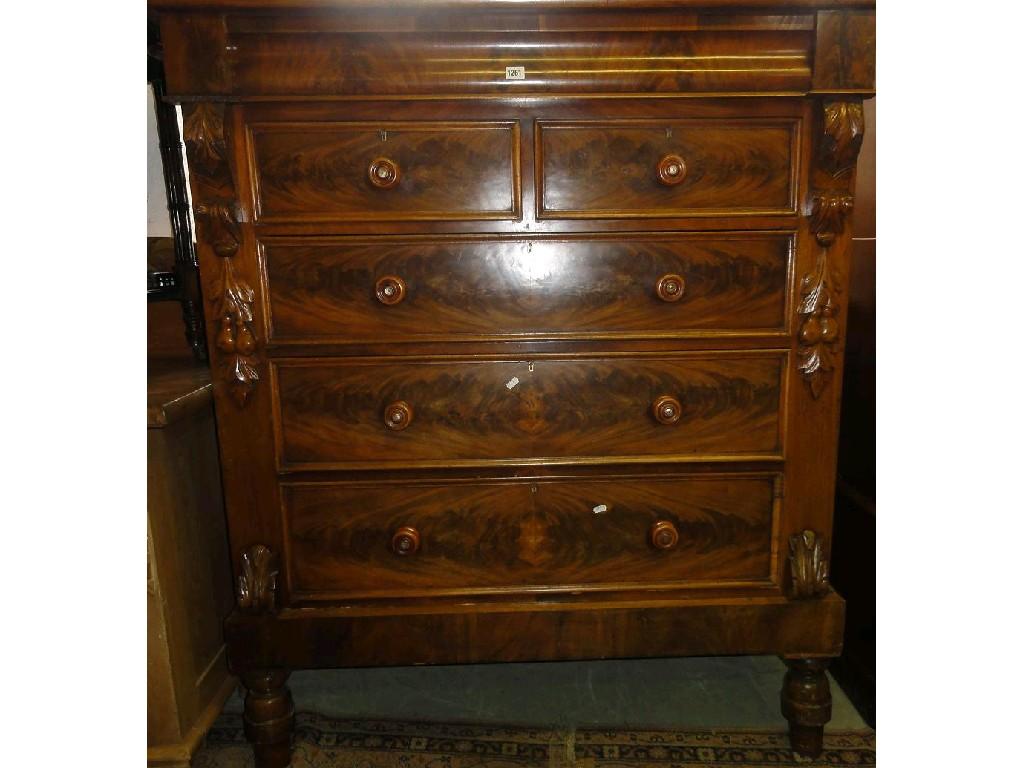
(418, 537)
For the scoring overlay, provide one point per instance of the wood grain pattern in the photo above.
(525, 536)
(732, 166)
(320, 171)
(523, 330)
(463, 287)
(370, 54)
(844, 51)
(472, 412)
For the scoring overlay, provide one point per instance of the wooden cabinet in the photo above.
(188, 572)
(527, 324)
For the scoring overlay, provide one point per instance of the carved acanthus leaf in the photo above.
(844, 132)
(808, 564)
(258, 580)
(204, 136)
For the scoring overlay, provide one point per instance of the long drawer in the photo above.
(365, 413)
(385, 289)
(417, 537)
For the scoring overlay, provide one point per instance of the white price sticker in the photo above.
(515, 73)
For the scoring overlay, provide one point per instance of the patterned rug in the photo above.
(323, 742)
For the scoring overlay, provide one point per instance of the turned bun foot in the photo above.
(269, 717)
(806, 704)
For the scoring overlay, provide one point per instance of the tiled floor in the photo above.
(738, 692)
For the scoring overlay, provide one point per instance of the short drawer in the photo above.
(350, 290)
(385, 171)
(387, 413)
(666, 168)
(409, 538)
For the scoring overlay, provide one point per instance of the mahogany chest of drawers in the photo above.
(526, 322)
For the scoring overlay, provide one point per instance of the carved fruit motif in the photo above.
(819, 329)
(236, 337)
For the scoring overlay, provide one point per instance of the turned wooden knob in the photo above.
(405, 541)
(670, 287)
(398, 415)
(384, 173)
(390, 290)
(667, 409)
(664, 535)
(671, 170)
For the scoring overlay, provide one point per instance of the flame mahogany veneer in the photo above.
(526, 325)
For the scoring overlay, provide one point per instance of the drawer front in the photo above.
(659, 168)
(385, 171)
(687, 407)
(416, 538)
(359, 291)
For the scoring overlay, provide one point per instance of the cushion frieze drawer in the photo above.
(351, 291)
(414, 538)
(666, 168)
(385, 171)
(374, 412)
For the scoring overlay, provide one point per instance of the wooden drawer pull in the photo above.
(390, 290)
(384, 173)
(671, 170)
(398, 415)
(667, 409)
(405, 541)
(670, 287)
(664, 535)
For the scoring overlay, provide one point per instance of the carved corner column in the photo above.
(813, 400)
(227, 248)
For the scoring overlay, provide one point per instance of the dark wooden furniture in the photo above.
(527, 324)
(181, 283)
(188, 577)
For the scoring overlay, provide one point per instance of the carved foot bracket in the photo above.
(269, 717)
(806, 704)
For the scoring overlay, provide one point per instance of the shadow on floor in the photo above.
(733, 692)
